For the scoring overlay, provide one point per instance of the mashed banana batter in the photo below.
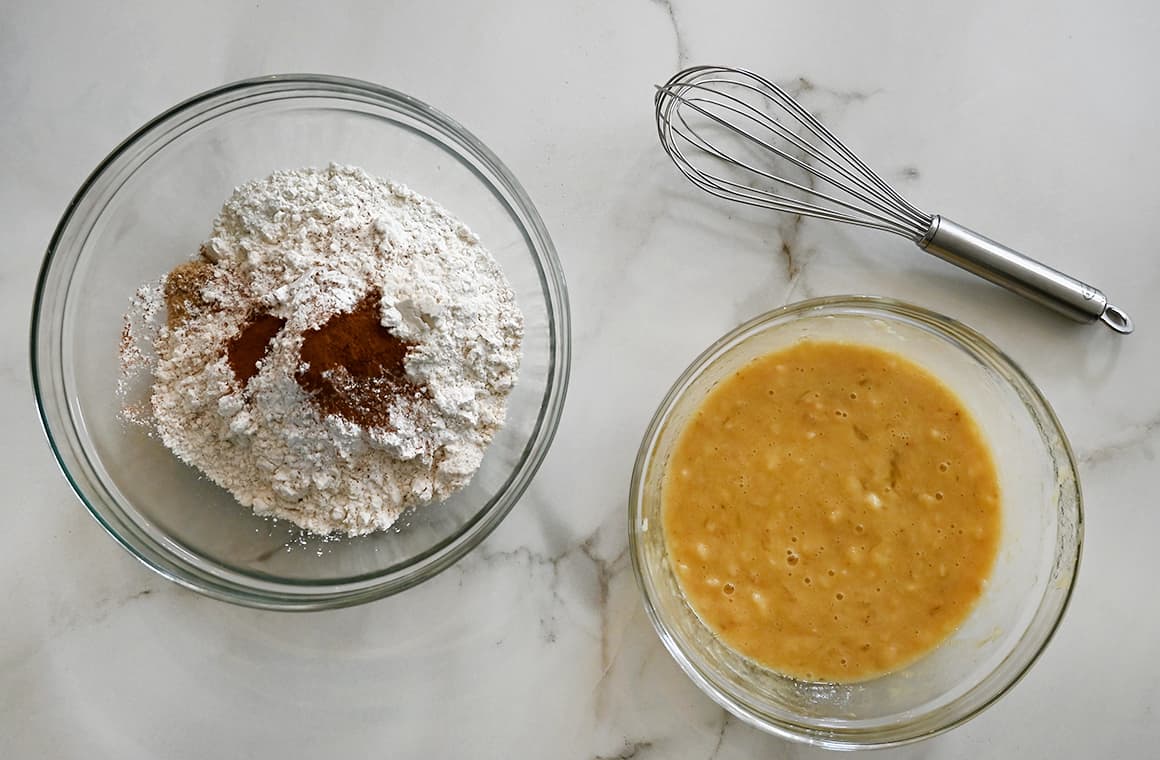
(832, 511)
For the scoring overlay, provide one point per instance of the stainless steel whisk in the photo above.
(729, 130)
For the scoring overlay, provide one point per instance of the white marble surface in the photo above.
(1035, 124)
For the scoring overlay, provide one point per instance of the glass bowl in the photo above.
(148, 206)
(1029, 586)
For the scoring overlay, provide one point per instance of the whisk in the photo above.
(741, 137)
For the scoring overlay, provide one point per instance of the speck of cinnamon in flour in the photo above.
(298, 249)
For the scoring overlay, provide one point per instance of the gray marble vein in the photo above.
(632, 749)
(726, 721)
(68, 617)
(678, 36)
(1137, 437)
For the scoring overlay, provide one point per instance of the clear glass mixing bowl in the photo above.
(148, 206)
(1026, 594)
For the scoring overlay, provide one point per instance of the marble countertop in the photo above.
(1036, 125)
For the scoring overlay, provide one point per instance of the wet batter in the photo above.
(832, 511)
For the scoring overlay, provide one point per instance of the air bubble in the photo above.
(807, 580)
(728, 588)
(943, 466)
(792, 559)
(938, 495)
(839, 596)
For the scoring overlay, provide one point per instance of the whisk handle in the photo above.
(1021, 274)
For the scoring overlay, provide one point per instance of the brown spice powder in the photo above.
(249, 347)
(183, 288)
(355, 366)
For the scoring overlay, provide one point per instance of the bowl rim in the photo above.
(501, 182)
(804, 731)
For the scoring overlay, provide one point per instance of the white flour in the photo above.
(304, 246)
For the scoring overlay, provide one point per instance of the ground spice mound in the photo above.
(341, 349)
(183, 288)
(249, 347)
(353, 365)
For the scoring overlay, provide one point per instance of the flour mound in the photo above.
(304, 246)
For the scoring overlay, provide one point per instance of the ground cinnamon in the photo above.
(183, 299)
(355, 366)
(248, 347)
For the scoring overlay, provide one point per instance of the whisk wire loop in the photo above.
(859, 189)
(819, 130)
(836, 184)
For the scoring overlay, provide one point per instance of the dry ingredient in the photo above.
(341, 350)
